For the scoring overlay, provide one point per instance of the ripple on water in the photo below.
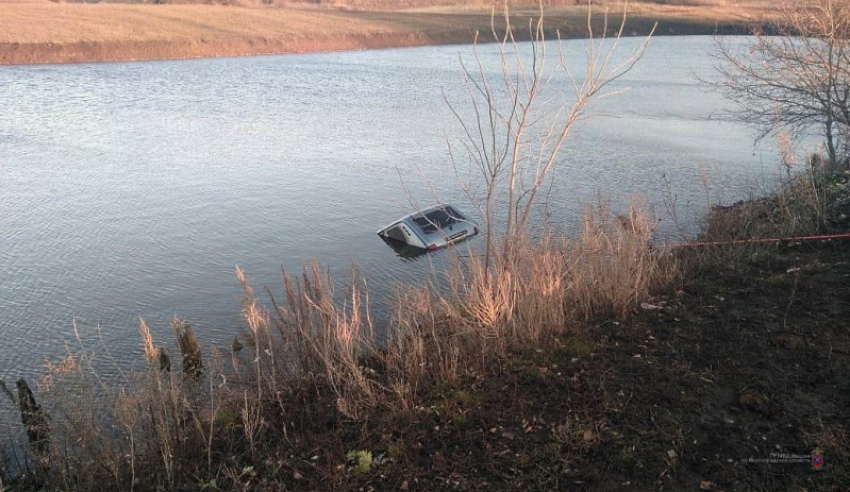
(134, 189)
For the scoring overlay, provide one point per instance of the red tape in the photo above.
(756, 241)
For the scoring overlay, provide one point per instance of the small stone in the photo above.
(707, 485)
(404, 485)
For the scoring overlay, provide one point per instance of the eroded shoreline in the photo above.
(283, 31)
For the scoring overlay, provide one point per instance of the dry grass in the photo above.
(317, 349)
(801, 205)
(33, 23)
(810, 199)
(157, 427)
(166, 426)
(478, 5)
(45, 32)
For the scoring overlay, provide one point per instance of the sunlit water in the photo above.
(134, 189)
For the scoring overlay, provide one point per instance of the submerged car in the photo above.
(432, 228)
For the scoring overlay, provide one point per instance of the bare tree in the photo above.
(521, 118)
(796, 76)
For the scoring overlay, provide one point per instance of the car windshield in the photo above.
(437, 219)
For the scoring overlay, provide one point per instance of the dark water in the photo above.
(134, 189)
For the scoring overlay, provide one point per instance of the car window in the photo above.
(437, 219)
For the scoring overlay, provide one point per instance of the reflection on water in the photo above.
(135, 189)
(404, 250)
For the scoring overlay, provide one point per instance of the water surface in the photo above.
(134, 189)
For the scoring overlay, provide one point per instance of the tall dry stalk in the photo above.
(265, 361)
(320, 337)
(520, 291)
(612, 265)
(516, 296)
(514, 138)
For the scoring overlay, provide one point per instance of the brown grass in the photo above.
(156, 428)
(45, 32)
(317, 350)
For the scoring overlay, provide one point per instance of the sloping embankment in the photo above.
(50, 33)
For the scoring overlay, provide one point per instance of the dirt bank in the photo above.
(51, 33)
(728, 382)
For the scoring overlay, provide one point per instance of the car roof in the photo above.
(425, 211)
(408, 219)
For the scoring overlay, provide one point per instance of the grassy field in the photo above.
(38, 31)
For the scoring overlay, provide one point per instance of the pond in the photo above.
(135, 189)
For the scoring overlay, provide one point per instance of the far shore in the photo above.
(40, 32)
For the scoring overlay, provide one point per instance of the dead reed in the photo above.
(808, 200)
(152, 426)
(317, 348)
